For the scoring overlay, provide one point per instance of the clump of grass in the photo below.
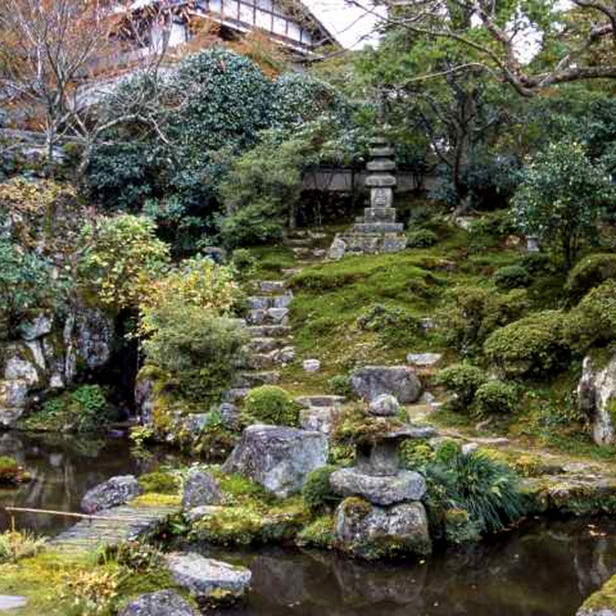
(15, 545)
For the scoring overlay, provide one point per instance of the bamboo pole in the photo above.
(83, 516)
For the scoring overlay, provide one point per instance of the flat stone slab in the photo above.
(383, 490)
(206, 576)
(11, 602)
(115, 491)
(160, 603)
(424, 359)
(320, 400)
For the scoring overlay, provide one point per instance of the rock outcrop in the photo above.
(597, 398)
(370, 382)
(48, 356)
(277, 457)
(115, 491)
(200, 489)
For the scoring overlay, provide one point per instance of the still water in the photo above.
(545, 568)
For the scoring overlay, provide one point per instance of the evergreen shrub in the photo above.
(271, 405)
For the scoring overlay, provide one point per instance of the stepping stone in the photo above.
(264, 345)
(423, 360)
(272, 286)
(273, 331)
(278, 316)
(255, 379)
(207, 578)
(320, 400)
(160, 603)
(235, 394)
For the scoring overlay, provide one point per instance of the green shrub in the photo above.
(340, 385)
(271, 405)
(160, 483)
(423, 238)
(495, 397)
(255, 224)
(490, 230)
(200, 351)
(317, 491)
(589, 273)
(243, 261)
(534, 344)
(462, 380)
(538, 263)
(593, 320)
(475, 312)
(486, 489)
(83, 410)
(318, 534)
(396, 327)
(511, 277)
(416, 454)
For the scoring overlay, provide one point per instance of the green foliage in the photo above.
(475, 312)
(243, 261)
(122, 256)
(83, 410)
(318, 534)
(496, 397)
(415, 454)
(490, 231)
(10, 472)
(255, 224)
(266, 181)
(26, 284)
(423, 238)
(340, 385)
(271, 405)
(511, 277)
(532, 345)
(462, 380)
(15, 545)
(589, 273)
(317, 491)
(199, 350)
(135, 555)
(593, 320)
(160, 483)
(561, 198)
(396, 326)
(486, 489)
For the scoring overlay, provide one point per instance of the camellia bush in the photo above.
(561, 198)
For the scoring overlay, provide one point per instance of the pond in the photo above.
(63, 468)
(545, 568)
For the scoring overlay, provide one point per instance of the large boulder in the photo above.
(277, 457)
(372, 532)
(160, 603)
(596, 393)
(207, 578)
(380, 490)
(111, 493)
(384, 405)
(200, 489)
(370, 382)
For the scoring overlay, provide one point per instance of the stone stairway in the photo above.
(112, 526)
(269, 348)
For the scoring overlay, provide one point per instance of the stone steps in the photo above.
(263, 302)
(272, 286)
(269, 316)
(271, 359)
(265, 344)
(255, 379)
(321, 401)
(269, 331)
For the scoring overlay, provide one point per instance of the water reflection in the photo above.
(543, 569)
(63, 468)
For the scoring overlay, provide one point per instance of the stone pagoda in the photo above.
(377, 230)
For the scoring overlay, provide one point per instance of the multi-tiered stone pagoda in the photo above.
(377, 230)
